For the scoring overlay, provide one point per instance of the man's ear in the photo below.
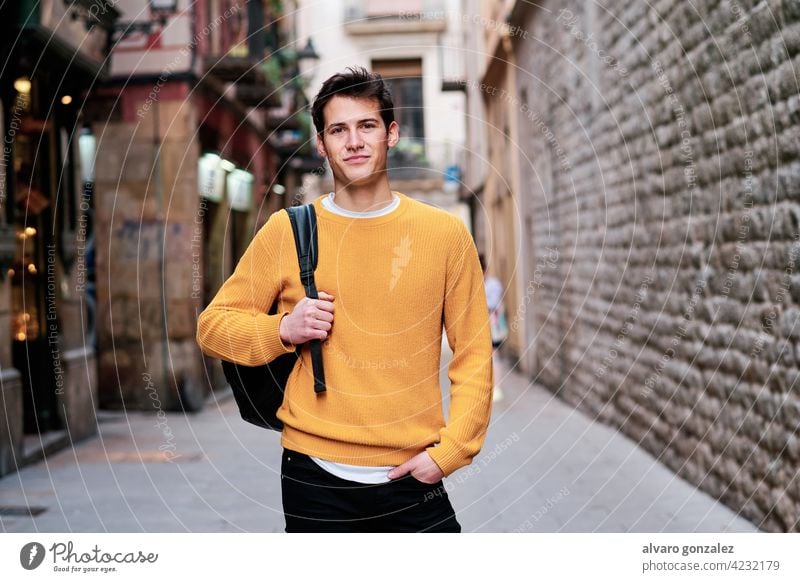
(392, 134)
(321, 147)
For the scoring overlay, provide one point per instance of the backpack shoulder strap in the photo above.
(304, 226)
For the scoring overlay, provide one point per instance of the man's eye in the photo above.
(336, 130)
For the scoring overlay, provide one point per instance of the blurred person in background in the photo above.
(497, 318)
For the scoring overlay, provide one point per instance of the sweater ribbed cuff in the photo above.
(448, 459)
(286, 347)
(268, 337)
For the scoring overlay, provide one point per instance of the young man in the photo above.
(369, 454)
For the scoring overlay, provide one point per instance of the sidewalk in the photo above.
(544, 468)
(547, 468)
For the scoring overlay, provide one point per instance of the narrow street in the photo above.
(626, 173)
(544, 468)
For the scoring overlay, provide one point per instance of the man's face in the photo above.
(355, 140)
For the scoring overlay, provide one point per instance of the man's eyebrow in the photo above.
(375, 119)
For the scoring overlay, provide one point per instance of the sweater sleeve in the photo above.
(466, 321)
(235, 326)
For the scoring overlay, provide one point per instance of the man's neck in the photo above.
(364, 199)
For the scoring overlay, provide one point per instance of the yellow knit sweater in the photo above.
(396, 280)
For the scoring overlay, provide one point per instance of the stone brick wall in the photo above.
(660, 145)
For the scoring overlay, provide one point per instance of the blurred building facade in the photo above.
(493, 135)
(197, 127)
(53, 53)
(415, 47)
(642, 209)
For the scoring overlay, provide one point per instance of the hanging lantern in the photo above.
(240, 190)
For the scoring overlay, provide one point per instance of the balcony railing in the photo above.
(388, 16)
(252, 87)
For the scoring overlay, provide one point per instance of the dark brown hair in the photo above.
(358, 83)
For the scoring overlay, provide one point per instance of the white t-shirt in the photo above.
(357, 473)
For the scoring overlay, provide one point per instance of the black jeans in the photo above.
(317, 501)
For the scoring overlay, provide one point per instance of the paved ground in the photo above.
(544, 468)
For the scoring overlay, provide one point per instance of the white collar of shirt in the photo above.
(330, 205)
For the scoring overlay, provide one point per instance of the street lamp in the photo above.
(87, 149)
(308, 54)
(240, 190)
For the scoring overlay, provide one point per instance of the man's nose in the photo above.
(354, 139)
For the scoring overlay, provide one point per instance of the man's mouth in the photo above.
(356, 159)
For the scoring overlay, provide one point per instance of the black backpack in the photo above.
(258, 390)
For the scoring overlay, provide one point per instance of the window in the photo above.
(404, 79)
